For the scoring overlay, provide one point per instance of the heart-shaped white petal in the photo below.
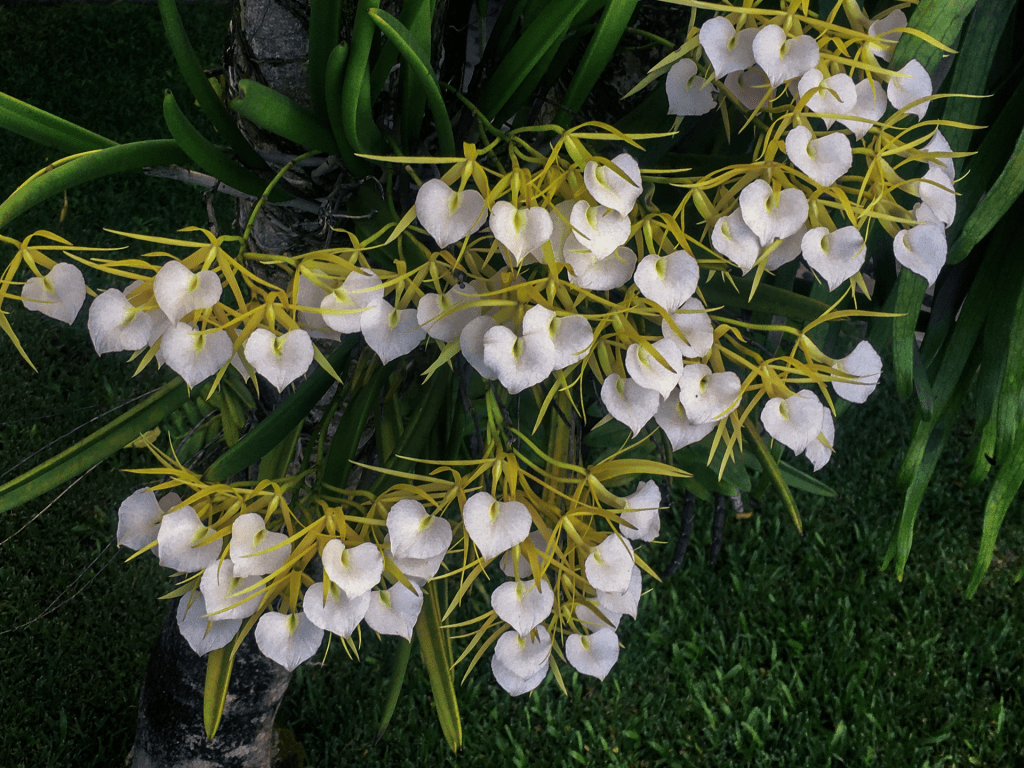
(185, 543)
(202, 633)
(441, 316)
(415, 533)
(523, 604)
(882, 29)
(390, 332)
(611, 189)
(520, 230)
(836, 256)
(338, 613)
(870, 106)
(279, 359)
(795, 420)
(598, 229)
(936, 191)
(288, 639)
(311, 294)
(598, 274)
(641, 513)
(495, 526)
(227, 595)
(254, 550)
(519, 361)
(707, 396)
(570, 336)
(625, 602)
(355, 569)
(194, 355)
(835, 95)
(771, 216)
(866, 365)
(732, 238)
(646, 371)
(936, 147)
(593, 621)
(138, 520)
(595, 654)
(58, 295)
(782, 58)
(672, 418)
(449, 215)
(394, 612)
(115, 325)
(908, 85)
(513, 683)
(819, 450)
(750, 87)
(694, 325)
(688, 93)
(610, 566)
(539, 543)
(343, 307)
(471, 342)
(921, 250)
(628, 402)
(727, 49)
(824, 159)
(178, 291)
(667, 280)
(524, 656)
(787, 249)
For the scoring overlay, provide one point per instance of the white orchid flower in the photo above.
(570, 335)
(628, 402)
(598, 274)
(356, 570)
(781, 57)
(698, 335)
(254, 550)
(667, 280)
(309, 294)
(824, 159)
(193, 354)
(866, 365)
(834, 95)
(343, 307)
(593, 654)
(749, 87)
(471, 343)
(448, 215)
(788, 249)
(520, 230)
(726, 49)
(390, 332)
(185, 544)
(707, 396)
(394, 611)
(883, 29)
(648, 372)
(178, 291)
(115, 325)
(672, 418)
(138, 520)
(279, 359)
(641, 513)
(203, 633)
(689, 94)
(836, 256)
(870, 106)
(922, 249)
(819, 450)
(609, 188)
(795, 420)
(732, 238)
(936, 191)
(609, 566)
(60, 294)
(415, 533)
(440, 315)
(288, 639)
(598, 229)
(337, 613)
(908, 85)
(523, 604)
(519, 361)
(495, 526)
(624, 602)
(771, 215)
(520, 663)
(226, 594)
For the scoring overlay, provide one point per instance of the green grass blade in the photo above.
(43, 128)
(278, 114)
(208, 157)
(599, 52)
(273, 429)
(98, 446)
(418, 60)
(218, 677)
(209, 101)
(324, 34)
(943, 20)
(103, 162)
(432, 637)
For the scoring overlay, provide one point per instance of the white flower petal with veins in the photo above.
(732, 238)
(598, 229)
(520, 230)
(194, 355)
(115, 325)
(782, 58)
(824, 159)
(288, 639)
(355, 569)
(908, 85)
(750, 87)
(646, 371)
(343, 307)
(338, 614)
(922, 250)
(836, 256)
(227, 595)
(138, 520)
(727, 49)
(440, 314)
(689, 94)
(495, 526)
(609, 567)
(771, 216)
(835, 95)
(390, 332)
(882, 28)
(394, 612)
(641, 512)
(936, 191)
(58, 295)
(415, 533)
(667, 280)
(707, 396)
(519, 361)
(870, 106)
(819, 450)
(523, 604)
(178, 291)
(449, 215)
(672, 418)
(866, 365)
(698, 334)
(609, 188)
(795, 420)
(598, 274)
(252, 548)
(203, 634)
(594, 654)
(184, 542)
(279, 359)
(628, 402)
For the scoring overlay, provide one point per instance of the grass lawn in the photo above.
(792, 651)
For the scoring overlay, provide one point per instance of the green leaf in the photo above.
(942, 19)
(324, 34)
(209, 101)
(338, 464)
(218, 677)
(334, 81)
(436, 653)
(910, 291)
(95, 448)
(278, 114)
(768, 298)
(269, 433)
(771, 468)
(801, 481)
(399, 667)
(103, 162)
(208, 157)
(418, 60)
(43, 128)
(356, 106)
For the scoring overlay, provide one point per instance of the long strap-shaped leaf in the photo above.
(279, 114)
(942, 19)
(199, 85)
(95, 448)
(324, 31)
(272, 430)
(436, 654)
(42, 127)
(356, 106)
(102, 162)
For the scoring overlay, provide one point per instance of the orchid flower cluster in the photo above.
(551, 276)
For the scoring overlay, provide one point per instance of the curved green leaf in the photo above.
(218, 678)
(334, 83)
(278, 114)
(943, 20)
(43, 128)
(356, 106)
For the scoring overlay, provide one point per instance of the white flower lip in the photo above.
(523, 604)
(594, 654)
(193, 354)
(338, 614)
(749, 87)
(610, 566)
(447, 215)
(203, 634)
(732, 238)
(288, 639)
(936, 191)
(667, 280)
(836, 256)
(598, 229)
(771, 217)
(882, 28)
(908, 85)
(183, 542)
(609, 188)
(707, 396)
(356, 570)
(922, 249)
(681, 432)
(343, 307)
(693, 321)
(598, 274)
(624, 602)
(255, 551)
(394, 611)
(178, 291)
(646, 371)
(59, 295)
(835, 95)
(628, 402)
(279, 359)
(495, 526)
(519, 361)
(523, 656)
(870, 106)
(641, 512)
(390, 332)
(227, 595)
(115, 325)
(415, 533)
(520, 230)
(783, 58)
(795, 420)
(817, 452)
(441, 316)
(689, 95)
(570, 336)
(824, 159)
(727, 49)
(865, 364)
(138, 520)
